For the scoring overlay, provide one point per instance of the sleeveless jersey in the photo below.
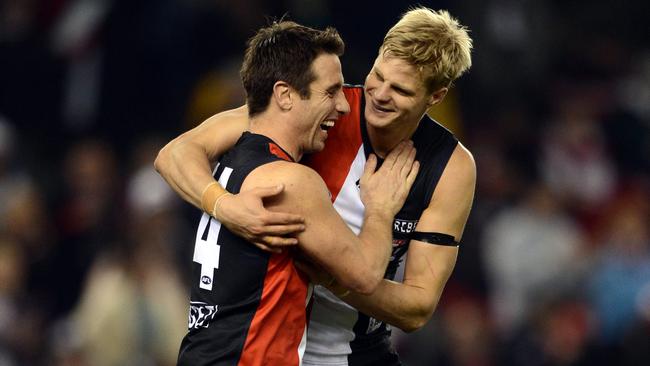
(247, 306)
(338, 334)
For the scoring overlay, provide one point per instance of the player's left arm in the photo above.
(409, 305)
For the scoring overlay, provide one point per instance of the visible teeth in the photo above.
(326, 125)
(382, 109)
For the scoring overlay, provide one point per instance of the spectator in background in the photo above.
(89, 216)
(132, 309)
(622, 268)
(13, 273)
(132, 73)
(575, 163)
(27, 248)
(532, 251)
(634, 344)
(461, 334)
(558, 334)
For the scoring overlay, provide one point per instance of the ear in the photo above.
(282, 95)
(437, 96)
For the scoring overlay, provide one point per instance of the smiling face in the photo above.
(396, 95)
(325, 104)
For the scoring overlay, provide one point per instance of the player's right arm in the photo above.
(186, 164)
(356, 262)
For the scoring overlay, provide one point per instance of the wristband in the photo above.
(211, 193)
(216, 203)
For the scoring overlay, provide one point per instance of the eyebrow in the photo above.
(334, 87)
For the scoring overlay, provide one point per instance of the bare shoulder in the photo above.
(240, 113)
(234, 119)
(461, 166)
(301, 183)
(289, 173)
(453, 196)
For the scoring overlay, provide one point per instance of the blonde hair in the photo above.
(432, 41)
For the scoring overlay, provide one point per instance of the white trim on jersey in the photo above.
(330, 326)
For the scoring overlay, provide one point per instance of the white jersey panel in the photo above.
(348, 202)
(330, 326)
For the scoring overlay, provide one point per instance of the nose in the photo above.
(342, 106)
(381, 93)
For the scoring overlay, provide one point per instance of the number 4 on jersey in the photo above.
(206, 248)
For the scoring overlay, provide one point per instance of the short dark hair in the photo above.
(284, 51)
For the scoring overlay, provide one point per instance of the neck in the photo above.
(383, 140)
(280, 132)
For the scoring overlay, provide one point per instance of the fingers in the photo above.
(278, 230)
(266, 248)
(282, 218)
(269, 217)
(394, 154)
(278, 241)
(264, 192)
(370, 167)
(408, 162)
(400, 156)
(410, 178)
(274, 244)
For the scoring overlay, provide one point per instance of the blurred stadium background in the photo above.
(554, 266)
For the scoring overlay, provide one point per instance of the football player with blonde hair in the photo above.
(417, 63)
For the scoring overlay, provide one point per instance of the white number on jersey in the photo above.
(206, 248)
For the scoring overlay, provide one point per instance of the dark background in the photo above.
(554, 265)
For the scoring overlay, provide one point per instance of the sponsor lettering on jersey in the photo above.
(404, 226)
(401, 230)
(201, 314)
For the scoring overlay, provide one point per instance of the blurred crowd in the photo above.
(554, 265)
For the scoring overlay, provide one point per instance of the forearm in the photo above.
(410, 304)
(185, 167)
(406, 306)
(376, 236)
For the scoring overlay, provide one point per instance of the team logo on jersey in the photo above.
(201, 314)
(206, 280)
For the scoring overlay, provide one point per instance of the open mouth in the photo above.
(326, 125)
(381, 109)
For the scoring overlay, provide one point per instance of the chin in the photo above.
(319, 147)
(316, 147)
(377, 122)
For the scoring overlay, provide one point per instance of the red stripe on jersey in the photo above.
(280, 320)
(277, 151)
(343, 142)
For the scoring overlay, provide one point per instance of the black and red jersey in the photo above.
(247, 306)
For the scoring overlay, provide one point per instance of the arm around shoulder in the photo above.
(409, 305)
(185, 162)
(326, 239)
